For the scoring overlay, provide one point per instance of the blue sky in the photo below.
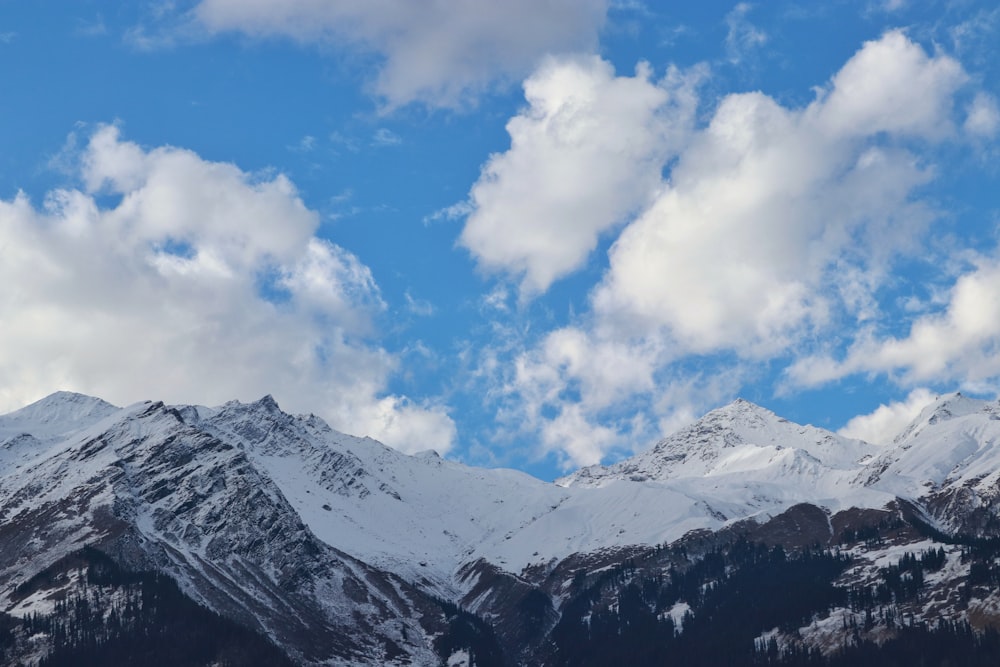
(528, 234)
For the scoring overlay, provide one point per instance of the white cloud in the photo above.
(586, 153)
(581, 440)
(743, 37)
(587, 396)
(198, 283)
(891, 85)
(385, 137)
(438, 53)
(754, 243)
(775, 227)
(604, 371)
(962, 342)
(983, 119)
(888, 420)
(975, 36)
(419, 307)
(893, 5)
(496, 299)
(398, 420)
(575, 377)
(306, 144)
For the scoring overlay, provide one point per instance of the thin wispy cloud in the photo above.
(385, 137)
(743, 37)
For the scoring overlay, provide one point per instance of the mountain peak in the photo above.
(265, 404)
(268, 403)
(739, 415)
(66, 398)
(742, 406)
(59, 412)
(943, 408)
(956, 404)
(739, 440)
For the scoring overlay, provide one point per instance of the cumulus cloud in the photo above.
(168, 276)
(773, 227)
(961, 342)
(892, 85)
(887, 421)
(765, 209)
(438, 53)
(581, 440)
(597, 374)
(586, 395)
(585, 154)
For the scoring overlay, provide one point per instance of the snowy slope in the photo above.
(743, 460)
(423, 517)
(419, 516)
(738, 438)
(29, 434)
(161, 493)
(58, 414)
(953, 441)
(269, 515)
(947, 461)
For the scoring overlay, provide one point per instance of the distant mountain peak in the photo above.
(944, 408)
(742, 439)
(743, 409)
(268, 403)
(59, 412)
(63, 398)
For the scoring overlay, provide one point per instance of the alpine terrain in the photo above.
(243, 535)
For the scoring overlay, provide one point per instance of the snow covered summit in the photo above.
(738, 439)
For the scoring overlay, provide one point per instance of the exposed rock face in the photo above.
(162, 494)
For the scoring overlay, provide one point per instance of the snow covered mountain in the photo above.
(749, 460)
(158, 493)
(948, 460)
(344, 551)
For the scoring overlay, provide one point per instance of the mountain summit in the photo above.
(739, 437)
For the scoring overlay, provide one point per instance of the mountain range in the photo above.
(331, 549)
